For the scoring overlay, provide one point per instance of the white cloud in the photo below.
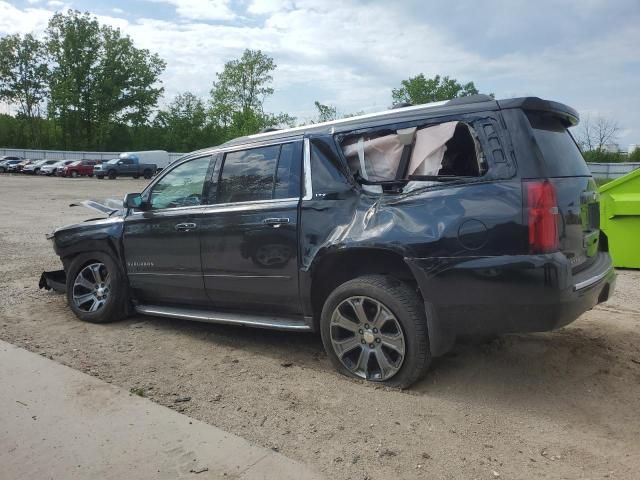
(263, 7)
(351, 56)
(201, 9)
(15, 20)
(117, 11)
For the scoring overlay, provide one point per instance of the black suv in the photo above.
(391, 234)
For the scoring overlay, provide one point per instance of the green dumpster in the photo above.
(620, 218)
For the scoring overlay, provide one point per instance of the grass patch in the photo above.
(137, 391)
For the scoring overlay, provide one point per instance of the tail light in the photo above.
(542, 213)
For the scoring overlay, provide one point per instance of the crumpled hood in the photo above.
(110, 206)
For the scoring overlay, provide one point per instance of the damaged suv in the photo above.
(390, 234)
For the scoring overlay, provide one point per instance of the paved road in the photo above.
(58, 423)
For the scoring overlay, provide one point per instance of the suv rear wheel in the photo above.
(96, 290)
(374, 327)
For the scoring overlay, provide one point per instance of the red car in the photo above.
(79, 168)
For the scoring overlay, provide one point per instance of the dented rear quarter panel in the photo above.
(433, 228)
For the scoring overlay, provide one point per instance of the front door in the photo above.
(162, 243)
(250, 233)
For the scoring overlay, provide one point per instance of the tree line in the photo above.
(86, 86)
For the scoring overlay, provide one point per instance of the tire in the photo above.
(405, 313)
(74, 174)
(147, 174)
(135, 177)
(2, 170)
(110, 302)
(100, 177)
(112, 174)
(91, 175)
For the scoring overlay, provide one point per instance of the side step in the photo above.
(210, 316)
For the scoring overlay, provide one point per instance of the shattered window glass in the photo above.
(446, 149)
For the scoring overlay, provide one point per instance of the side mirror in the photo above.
(134, 200)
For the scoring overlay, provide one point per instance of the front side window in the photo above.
(182, 186)
(263, 173)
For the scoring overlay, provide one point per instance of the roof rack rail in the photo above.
(269, 129)
(478, 98)
(401, 105)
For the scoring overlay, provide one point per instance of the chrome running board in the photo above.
(210, 316)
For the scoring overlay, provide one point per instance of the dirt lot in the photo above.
(555, 405)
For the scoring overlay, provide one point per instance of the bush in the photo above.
(600, 156)
(635, 155)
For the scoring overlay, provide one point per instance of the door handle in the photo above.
(275, 222)
(186, 227)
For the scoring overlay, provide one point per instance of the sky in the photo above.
(351, 54)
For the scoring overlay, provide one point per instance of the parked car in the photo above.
(6, 158)
(34, 168)
(61, 166)
(7, 164)
(124, 167)
(391, 234)
(20, 166)
(78, 168)
(160, 158)
(52, 168)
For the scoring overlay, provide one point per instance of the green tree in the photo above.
(98, 78)
(634, 156)
(185, 124)
(239, 93)
(23, 78)
(602, 156)
(419, 89)
(326, 113)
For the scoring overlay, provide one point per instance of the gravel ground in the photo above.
(554, 405)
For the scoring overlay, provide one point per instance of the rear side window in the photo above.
(263, 173)
(562, 157)
(449, 149)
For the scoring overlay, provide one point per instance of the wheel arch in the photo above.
(106, 245)
(334, 268)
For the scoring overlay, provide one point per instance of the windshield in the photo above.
(114, 160)
(73, 164)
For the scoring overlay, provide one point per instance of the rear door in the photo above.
(576, 192)
(250, 233)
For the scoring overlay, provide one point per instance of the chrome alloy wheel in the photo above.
(367, 338)
(92, 287)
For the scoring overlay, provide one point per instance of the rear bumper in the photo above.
(507, 294)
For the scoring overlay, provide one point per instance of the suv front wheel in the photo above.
(374, 327)
(96, 289)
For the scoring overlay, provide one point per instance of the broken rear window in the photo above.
(449, 149)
